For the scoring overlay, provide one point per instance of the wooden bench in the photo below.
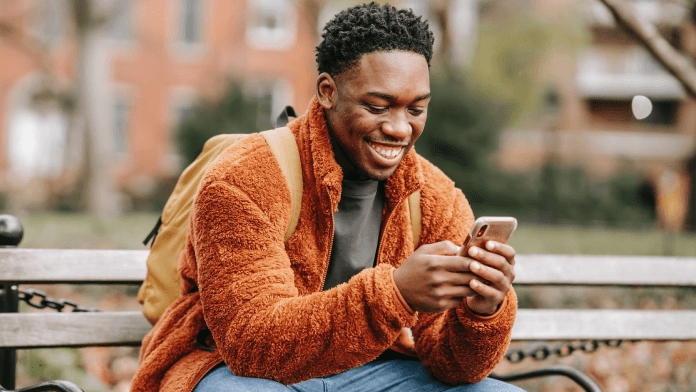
(127, 328)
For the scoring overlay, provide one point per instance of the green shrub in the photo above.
(233, 113)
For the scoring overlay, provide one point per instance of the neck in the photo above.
(351, 171)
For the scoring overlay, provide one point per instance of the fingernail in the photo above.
(474, 251)
(490, 245)
(474, 266)
(474, 283)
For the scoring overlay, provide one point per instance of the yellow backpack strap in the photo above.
(283, 145)
(415, 210)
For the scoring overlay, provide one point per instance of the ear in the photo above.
(326, 91)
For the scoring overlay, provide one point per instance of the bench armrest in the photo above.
(58, 385)
(579, 377)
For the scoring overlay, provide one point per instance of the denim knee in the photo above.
(221, 379)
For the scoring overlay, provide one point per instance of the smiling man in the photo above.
(350, 302)
(377, 113)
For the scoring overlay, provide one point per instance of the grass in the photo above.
(539, 239)
(55, 230)
(74, 231)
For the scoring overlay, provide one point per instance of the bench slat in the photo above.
(605, 270)
(602, 324)
(33, 330)
(72, 266)
(128, 266)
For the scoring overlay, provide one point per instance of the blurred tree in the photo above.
(510, 48)
(88, 164)
(678, 64)
(473, 101)
(461, 134)
(233, 113)
(91, 20)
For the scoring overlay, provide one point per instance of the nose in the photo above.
(397, 126)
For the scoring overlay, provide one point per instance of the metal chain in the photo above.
(39, 300)
(538, 352)
(541, 352)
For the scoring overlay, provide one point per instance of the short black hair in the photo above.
(370, 28)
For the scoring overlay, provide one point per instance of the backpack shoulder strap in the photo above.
(415, 210)
(283, 145)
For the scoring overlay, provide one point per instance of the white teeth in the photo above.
(387, 153)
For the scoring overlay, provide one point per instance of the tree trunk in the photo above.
(676, 63)
(92, 106)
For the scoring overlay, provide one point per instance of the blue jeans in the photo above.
(394, 375)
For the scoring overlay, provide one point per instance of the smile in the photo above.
(386, 152)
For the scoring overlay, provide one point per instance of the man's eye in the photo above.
(416, 112)
(376, 110)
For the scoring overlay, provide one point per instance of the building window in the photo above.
(272, 24)
(605, 111)
(182, 111)
(663, 113)
(182, 104)
(48, 21)
(122, 23)
(271, 97)
(37, 143)
(190, 21)
(182, 101)
(121, 125)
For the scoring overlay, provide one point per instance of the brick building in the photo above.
(160, 57)
(157, 58)
(593, 125)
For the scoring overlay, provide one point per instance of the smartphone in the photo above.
(486, 228)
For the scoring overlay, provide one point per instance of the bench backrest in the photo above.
(51, 329)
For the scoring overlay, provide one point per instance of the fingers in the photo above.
(494, 278)
(448, 271)
(445, 248)
(448, 263)
(496, 260)
(505, 250)
(432, 279)
(490, 297)
(494, 270)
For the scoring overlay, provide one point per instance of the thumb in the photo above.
(442, 248)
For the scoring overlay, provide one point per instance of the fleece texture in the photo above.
(261, 297)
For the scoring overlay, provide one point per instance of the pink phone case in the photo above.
(486, 228)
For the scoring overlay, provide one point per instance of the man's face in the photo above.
(375, 111)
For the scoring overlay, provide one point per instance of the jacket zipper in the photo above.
(333, 224)
(384, 229)
(381, 239)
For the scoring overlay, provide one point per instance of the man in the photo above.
(331, 306)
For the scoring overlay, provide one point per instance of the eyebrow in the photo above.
(390, 97)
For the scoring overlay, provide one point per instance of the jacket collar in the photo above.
(407, 178)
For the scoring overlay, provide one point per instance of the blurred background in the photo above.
(104, 102)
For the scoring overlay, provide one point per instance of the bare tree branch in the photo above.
(676, 63)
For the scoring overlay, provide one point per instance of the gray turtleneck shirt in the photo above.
(356, 231)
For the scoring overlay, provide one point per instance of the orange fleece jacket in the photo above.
(262, 298)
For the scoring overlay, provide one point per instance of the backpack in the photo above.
(161, 285)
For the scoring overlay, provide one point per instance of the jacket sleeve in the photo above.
(458, 346)
(261, 325)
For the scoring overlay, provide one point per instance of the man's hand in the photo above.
(494, 270)
(434, 278)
